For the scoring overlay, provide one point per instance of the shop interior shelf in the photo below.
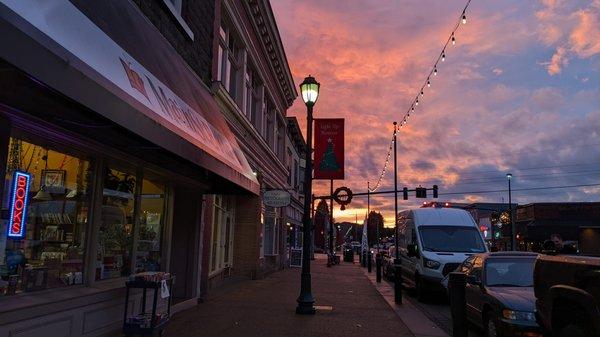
(144, 284)
(135, 329)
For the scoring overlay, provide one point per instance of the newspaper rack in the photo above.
(140, 325)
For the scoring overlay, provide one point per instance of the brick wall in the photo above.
(247, 229)
(199, 16)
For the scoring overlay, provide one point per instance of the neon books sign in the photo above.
(18, 204)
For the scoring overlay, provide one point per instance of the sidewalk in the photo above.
(267, 308)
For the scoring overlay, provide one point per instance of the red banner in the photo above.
(329, 148)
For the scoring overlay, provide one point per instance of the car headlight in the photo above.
(518, 315)
(431, 264)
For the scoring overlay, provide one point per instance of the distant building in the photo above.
(536, 222)
(296, 148)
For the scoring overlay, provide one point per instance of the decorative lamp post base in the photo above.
(305, 301)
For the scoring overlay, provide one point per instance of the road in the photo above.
(437, 309)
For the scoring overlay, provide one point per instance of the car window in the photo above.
(509, 272)
(451, 239)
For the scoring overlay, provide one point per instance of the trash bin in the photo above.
(348, 254)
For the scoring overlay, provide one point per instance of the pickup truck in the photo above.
(567, 291)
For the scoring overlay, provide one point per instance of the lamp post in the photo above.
(513, 232)
(310, 92)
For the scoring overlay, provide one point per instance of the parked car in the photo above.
(499, 293)
(356, 246)
(567, 291)
(433, 242)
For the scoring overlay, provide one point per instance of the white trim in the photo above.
(175, 10)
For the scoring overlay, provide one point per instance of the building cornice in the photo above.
(261, 15)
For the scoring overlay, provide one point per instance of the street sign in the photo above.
(276, 198)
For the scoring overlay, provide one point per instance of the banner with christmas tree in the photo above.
(329, 148)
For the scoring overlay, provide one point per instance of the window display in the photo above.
(222, 235)
(44, 246)
(113, 256)
(152, 206)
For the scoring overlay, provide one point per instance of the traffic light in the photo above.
(405, 193)
(435, 191)
(421, 192)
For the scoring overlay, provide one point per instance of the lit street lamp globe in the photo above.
(310, 90)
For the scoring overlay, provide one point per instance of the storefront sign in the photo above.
(329, 148)
(276, 198)
(18, 204)
(86, 47)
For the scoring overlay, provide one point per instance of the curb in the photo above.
(413, 318)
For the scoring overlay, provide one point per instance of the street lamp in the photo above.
(310, 92)
(513, 238)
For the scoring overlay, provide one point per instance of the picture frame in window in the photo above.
(53, 181)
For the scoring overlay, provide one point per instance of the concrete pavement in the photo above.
(417, 321)
(349, 306)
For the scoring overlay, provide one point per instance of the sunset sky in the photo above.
(519, 93)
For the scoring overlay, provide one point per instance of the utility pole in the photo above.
(397, 261)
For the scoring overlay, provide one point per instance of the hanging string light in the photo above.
(415, 102)
(434, 70)
(382, 174)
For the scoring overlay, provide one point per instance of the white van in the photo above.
(433, 242)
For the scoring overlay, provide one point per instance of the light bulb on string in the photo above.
(422, 93)
(453, 39)
(428, 84)
(443, 56)
(417, 102)
(464, 18)
(434, 71)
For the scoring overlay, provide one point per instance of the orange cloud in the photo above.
(371, 59)
(559, 59)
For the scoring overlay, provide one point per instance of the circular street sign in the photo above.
(343, 196)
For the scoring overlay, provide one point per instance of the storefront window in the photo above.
(116, 225)
(49, 251)
(222, 234)
(152, 209)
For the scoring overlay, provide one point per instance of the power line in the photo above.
(530, 168)
(521, 189)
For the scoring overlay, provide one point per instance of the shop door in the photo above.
(184, 264)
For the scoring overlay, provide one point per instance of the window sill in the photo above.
(179, 19)
(57, 295)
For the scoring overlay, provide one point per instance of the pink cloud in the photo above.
(372, 57)
(559, 60)
(573, 30)
(585, 38)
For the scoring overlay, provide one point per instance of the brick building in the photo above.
(148, 131)
(252, 83)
